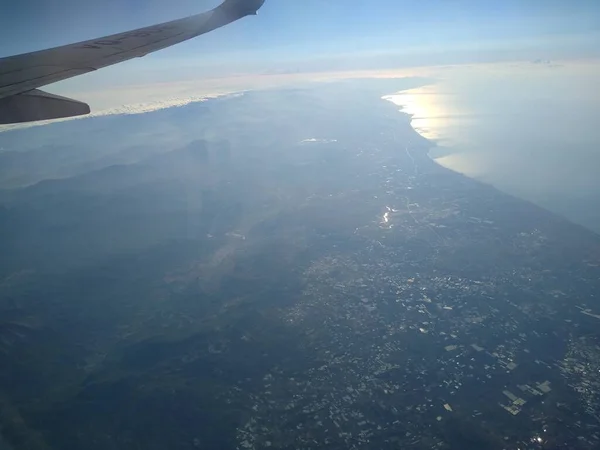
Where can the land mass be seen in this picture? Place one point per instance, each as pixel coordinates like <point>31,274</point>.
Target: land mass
<point>295,273</point>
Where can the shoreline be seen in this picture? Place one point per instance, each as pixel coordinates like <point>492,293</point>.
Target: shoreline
<point>437,151</point>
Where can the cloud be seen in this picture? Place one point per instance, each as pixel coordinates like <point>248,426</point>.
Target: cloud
<point>143,98</point>
<point>141,108</point>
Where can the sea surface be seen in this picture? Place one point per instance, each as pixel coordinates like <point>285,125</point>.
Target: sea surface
<point>532,130</point>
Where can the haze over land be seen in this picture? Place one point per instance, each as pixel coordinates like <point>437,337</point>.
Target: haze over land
<point>528,128</point>
<point>202,275</point>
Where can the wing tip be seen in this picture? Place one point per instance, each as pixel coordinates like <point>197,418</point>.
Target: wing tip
<point>243,7</point>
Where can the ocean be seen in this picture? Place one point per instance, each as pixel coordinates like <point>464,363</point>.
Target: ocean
<point>530,129</point>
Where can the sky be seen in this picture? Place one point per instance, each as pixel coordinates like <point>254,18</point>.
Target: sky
<point>320,34</point>
<point>293,36</point>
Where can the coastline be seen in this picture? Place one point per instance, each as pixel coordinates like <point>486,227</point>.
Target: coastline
<point>472,144</point>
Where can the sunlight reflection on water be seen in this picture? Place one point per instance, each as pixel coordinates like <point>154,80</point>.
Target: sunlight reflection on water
<point>438,116</point>
<point>430,110</point>
<point>531,132</point>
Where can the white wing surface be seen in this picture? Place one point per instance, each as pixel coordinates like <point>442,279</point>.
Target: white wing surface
<point>21,75</point>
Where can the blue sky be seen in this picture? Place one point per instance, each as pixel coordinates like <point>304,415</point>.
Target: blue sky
<point>318,34</point>
<point>306,26</point>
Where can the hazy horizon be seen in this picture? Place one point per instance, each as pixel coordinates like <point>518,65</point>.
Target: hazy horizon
<point>527,128</point>
<point>312,36</point>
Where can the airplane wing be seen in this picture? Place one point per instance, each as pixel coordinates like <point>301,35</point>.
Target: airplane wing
<point>21,75</point>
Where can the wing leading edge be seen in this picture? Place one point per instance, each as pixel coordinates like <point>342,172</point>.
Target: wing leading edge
<point>22,74</point>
